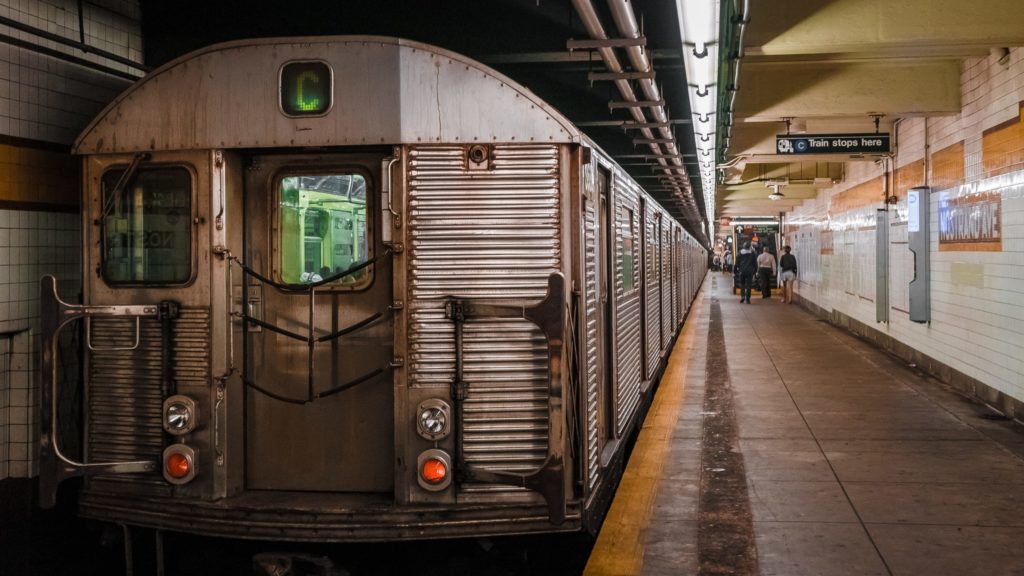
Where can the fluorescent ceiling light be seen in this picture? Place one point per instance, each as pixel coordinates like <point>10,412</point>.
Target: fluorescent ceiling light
<point>698,25</point>
<point>761,222</point>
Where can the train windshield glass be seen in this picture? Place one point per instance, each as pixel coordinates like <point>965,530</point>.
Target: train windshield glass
<point>147,236</point>
<point>323,229</point>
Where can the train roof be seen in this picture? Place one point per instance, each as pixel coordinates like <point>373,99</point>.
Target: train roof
<point>385,91</point>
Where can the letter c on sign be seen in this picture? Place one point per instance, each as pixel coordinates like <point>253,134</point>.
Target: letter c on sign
<point>300,96</point>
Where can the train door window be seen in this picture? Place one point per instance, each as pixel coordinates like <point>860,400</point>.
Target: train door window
<point>627,255</point>
<point>322,229</point>
<point>147,226</point>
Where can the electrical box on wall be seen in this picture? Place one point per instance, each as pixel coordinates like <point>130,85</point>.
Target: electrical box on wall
<point>882,266</point>
<point>918,203</point>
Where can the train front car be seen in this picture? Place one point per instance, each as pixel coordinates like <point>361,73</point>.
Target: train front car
<point>328,297</point>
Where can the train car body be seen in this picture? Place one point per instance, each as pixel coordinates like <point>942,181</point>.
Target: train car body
<point>356,288</point>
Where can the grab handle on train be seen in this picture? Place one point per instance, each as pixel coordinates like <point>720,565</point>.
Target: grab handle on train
<point>54,465</point>
<point>550,316</point>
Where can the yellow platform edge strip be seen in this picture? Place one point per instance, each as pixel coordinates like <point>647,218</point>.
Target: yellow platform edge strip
<point>619,549</point>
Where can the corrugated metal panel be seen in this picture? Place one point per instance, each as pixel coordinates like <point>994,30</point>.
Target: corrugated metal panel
<point>592,318</point>
<point>684,276</point>
<point>666,289</point>
<point>677,276</point>
<point>125,400</point>
<point>653,290</point>
<point>627,313</point>
<point>485,234</point>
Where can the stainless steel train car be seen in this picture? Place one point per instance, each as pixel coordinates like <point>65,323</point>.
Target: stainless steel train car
<point>355,288</point>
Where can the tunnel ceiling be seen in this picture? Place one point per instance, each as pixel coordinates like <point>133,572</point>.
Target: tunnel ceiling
<point>524,39</point>
<point>832,66</point>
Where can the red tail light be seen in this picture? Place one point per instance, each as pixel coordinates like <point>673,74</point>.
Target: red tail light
<point>434,470</point>
<point>179,464</point>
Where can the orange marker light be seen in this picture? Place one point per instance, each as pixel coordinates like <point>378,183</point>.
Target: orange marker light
<point>434,471</point>
<point>177,465</point>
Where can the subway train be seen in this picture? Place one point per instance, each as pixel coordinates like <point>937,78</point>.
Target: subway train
<point>354,289</point>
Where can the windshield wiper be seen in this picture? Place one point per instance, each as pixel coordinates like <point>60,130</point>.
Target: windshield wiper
<point>127,177</point>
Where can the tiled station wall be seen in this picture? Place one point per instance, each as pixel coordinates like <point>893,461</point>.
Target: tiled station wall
<point>977,289</point>
<point>44,103</point>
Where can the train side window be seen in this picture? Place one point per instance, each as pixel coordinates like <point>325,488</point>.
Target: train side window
<point>323,230</point>
<point>627,255</point>
<point>147,227</point>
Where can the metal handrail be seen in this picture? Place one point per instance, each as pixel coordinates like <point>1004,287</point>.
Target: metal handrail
<point>550,316</point>
<point>134,346</point>
<point>55,466</point>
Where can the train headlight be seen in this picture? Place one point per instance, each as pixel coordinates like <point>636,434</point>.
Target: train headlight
<point>179,464</point>
<point>432,419</point>
<point>434,470</point>
<point>180,415</point>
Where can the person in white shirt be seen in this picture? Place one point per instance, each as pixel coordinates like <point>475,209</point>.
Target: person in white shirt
<point>765,271</point>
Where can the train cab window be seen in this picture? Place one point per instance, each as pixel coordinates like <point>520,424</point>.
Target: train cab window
<point>627,255</point>
<point>323,229</point>
<point>147,227</point>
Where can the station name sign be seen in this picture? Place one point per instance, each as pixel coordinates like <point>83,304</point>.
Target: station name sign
<point>832,144</point>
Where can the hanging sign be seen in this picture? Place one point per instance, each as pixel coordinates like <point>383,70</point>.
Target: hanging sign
<point>793,144</point>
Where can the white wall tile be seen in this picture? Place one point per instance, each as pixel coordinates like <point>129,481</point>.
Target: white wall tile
<point>26,76</point>
<point>974,329</point>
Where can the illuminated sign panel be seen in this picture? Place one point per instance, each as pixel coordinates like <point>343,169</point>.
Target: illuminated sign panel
<point>786,144</point>
<point>306,88</point>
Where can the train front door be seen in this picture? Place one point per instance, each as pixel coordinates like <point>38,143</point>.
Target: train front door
<point>320,415</point>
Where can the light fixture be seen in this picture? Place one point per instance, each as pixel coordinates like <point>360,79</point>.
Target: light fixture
<point>698,25</point>
<point>432,419</point>
<point>180,415</point>
<point>765,221</point>
<point>434,470</point>
<point>179,464</point>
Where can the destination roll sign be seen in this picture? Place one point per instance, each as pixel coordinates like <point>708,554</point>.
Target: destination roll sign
<point>832,143</point>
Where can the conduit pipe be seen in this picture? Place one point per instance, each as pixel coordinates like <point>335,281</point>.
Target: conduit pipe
<point>594,27</point>
<point>742,19</point>
<point>625,21</point>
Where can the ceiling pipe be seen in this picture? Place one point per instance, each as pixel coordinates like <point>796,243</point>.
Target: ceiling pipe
<point>741,21</point>
<point>592,23</point>
<point>625,21</point>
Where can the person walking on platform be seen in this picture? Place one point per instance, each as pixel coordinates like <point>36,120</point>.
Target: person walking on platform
<point>788,275</point>
<point>746,266</point>
<point>765,270</point>
<point>728,263</point>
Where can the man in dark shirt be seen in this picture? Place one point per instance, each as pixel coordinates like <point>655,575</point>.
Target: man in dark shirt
<point>746,266</point>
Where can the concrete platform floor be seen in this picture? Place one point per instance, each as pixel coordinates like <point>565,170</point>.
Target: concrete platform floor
<point>854,463</point>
